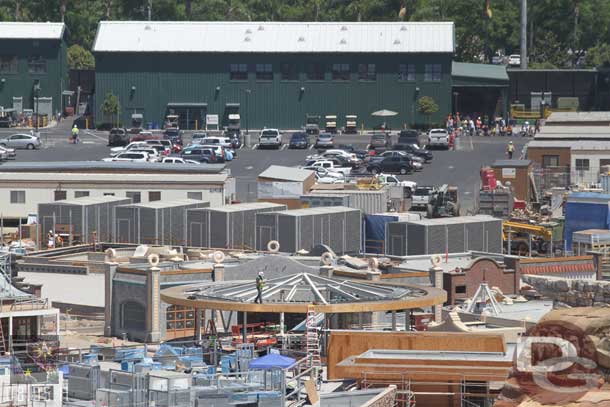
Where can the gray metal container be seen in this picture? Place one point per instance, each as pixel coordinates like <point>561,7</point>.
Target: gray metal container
<point>367,201</point>
<point>453,235</point>
<point>230,227</point>
<point>302,229</point>
<point>91,217</point>
<point>83,381</point>
<point>497,203</point>
<point>317,200</point>
<point>159,222</point>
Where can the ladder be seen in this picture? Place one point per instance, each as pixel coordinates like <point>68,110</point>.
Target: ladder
<point>312,337</point>
<point>2,341</point>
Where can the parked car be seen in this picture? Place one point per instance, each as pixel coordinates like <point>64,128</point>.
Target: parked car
<point>415,150</point>
<point>173,134</point>
<point>198,136</point>
<point>220,151</point>
<point>514,60</point>
<point>299,140</point>
<point>153,151</point>
<point>200,154</point>
<point>21,140</point>
<point>118,137</point>
<point>408,136</point>
<point>7,122</point>
<point>399,164</point>
<point>215,140</point>
<point>3,155</point>
<point>130,156</point>
<point>330,165</point>
<point>135,144</point>
<point>438,138</point>
<point>416,161</point>
<point>10,152</point>
<point>143,136</point>
<point>325,140</point>
<point>178,160</point>
<point>361,154</point>
<point>379,140</point>
<point>348,159</point>
<point>270,138</point>
<point>323,176</point>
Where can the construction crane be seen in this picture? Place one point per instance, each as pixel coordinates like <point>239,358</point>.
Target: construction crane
<point>521,234</point>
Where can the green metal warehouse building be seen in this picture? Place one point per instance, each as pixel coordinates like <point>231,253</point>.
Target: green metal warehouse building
<point>32,59</point>
<point>273,73</point>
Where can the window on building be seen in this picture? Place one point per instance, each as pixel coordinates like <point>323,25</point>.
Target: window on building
<point>289,72</point>
<point>37,65</point>
<point>133,316</point>
<point>81,194</point>
<point>154,196</point>
<point>603,162</point>
<point>460,289</point>
<point>239,72</point>
<point>549,161</point>
<point>108,193</point>
<point>17,197</point>
<point>432,73</point>
<point>264,72</point>
<point>367,72</point>
<point>314,72</point>
<point>179,317</point>
<point>406,72</point>
<point>136,197</point>
<point>341,72</point>
<point>61,195</point>
<point>195,195</point>
<point>8,64</point>
<point>582,164</point>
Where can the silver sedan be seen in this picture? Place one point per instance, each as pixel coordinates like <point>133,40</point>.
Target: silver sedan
<point>26,141</point>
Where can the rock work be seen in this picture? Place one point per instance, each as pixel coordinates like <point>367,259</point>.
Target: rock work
<point>575,293</point>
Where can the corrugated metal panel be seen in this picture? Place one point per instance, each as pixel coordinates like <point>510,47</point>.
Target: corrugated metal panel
<point>337,227</point>
<point>366,201</point>
<point>288,37</point>
<point>283,173</point>
<point>26,30</point>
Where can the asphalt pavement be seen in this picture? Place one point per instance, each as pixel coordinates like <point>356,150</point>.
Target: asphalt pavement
<point>459,167</point>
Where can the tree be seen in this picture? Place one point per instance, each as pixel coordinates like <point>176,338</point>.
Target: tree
<point>427,106</point>
<point>80,58</point>
<point>110,107</point>
<point>599,56</point>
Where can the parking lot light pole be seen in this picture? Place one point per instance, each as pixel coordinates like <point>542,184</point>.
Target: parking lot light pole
<point>248,91</point>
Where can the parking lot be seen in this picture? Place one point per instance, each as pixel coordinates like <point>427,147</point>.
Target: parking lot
<point>459,167</point>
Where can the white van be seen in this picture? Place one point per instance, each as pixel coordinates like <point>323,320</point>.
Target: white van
<point>438,138</point>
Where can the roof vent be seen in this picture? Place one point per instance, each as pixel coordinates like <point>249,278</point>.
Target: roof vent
<point>396,41</point>
<point>147,27</point>
<point>261,28</point>
<point>301,39</point>
<point>403,28</point>
<point>344,28</point>
<point>248,31</point>
<point>247,39</point>
<point>343,41</point>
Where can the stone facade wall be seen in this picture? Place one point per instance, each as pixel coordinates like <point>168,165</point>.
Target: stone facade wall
<point>575,293</point>
<point>386,399</point>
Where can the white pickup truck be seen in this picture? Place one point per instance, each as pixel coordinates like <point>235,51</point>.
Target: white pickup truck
<point>330,166</point>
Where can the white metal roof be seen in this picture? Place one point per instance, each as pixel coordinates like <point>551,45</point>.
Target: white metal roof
<point>590,145</point>
<point>276,37</point>
<point>584,117</point>
<point>282,173</point>
<point>30,179</point>
<point>38,31</point>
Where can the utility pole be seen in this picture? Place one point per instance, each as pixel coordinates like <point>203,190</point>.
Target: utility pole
<point>149,9</point>
<point>523,34</point>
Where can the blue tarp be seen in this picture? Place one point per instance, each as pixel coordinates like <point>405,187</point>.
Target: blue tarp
<point>272,360</point>
<point>374,232</point>
<point>590,211</point>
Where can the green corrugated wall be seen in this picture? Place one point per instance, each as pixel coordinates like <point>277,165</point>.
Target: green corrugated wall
<point>21,83</point>
<point>164,78</point>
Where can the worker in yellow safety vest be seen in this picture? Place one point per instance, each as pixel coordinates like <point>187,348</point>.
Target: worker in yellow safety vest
<point>510,150</point>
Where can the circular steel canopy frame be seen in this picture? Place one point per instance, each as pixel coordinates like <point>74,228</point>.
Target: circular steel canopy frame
<point>433,296</point>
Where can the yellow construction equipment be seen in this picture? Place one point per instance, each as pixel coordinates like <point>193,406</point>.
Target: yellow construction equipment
<point>520,234</point>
